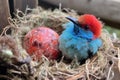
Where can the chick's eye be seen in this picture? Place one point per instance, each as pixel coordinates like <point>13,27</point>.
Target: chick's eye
<point>86,27</point>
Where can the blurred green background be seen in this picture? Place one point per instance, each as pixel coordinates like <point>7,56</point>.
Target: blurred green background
<point>113,30</point>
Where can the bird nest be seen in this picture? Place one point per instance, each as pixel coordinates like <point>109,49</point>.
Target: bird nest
<point>99,67</point>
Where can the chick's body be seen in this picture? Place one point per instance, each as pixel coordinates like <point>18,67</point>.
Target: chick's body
<point>80,45</point>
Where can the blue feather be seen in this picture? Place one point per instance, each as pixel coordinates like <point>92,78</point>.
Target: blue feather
<point>77,45</point>
<point>94,45</point>
<point>82,33</point>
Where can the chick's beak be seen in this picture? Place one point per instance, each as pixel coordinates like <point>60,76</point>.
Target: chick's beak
<point>74,20</point>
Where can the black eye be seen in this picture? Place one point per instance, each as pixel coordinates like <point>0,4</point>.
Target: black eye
<point>86,27</point>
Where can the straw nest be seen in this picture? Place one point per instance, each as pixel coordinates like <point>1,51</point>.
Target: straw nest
<point>98,67</point>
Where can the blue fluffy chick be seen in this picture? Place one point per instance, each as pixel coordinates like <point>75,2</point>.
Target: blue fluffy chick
<point>77,42</point>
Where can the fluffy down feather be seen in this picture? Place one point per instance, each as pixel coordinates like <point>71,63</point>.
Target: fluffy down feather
<point>78,45</point>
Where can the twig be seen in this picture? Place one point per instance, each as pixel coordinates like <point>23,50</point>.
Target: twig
<point>113,57</point>
<point>119,59</point>
<point>16,72</point>
<point>50,74</point>
<point>95,76</point>
<point>87,70</point>
<point>39,64</point>
<point>30,69</point>
<point>63,73</point>
<point>77,76</point>
<point>67,72</point>
<point>93,60</point>
<point>108,76</point>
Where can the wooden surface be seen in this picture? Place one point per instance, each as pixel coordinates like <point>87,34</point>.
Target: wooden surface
<point>106,9</point>
<point>4,14</point>
<point>22,4</point>
<point>7,8</point>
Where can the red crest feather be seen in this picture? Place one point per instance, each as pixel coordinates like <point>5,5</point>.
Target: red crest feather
<point>93,23</point>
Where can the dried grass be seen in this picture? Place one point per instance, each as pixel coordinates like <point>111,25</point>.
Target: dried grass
<point>97,68</point>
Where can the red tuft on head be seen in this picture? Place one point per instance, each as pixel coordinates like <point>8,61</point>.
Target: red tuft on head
<point>93,23</point>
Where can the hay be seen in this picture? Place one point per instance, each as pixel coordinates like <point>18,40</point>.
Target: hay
<point>98,67</point>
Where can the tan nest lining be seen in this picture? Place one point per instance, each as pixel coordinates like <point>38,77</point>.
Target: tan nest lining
<point>97,68</point>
